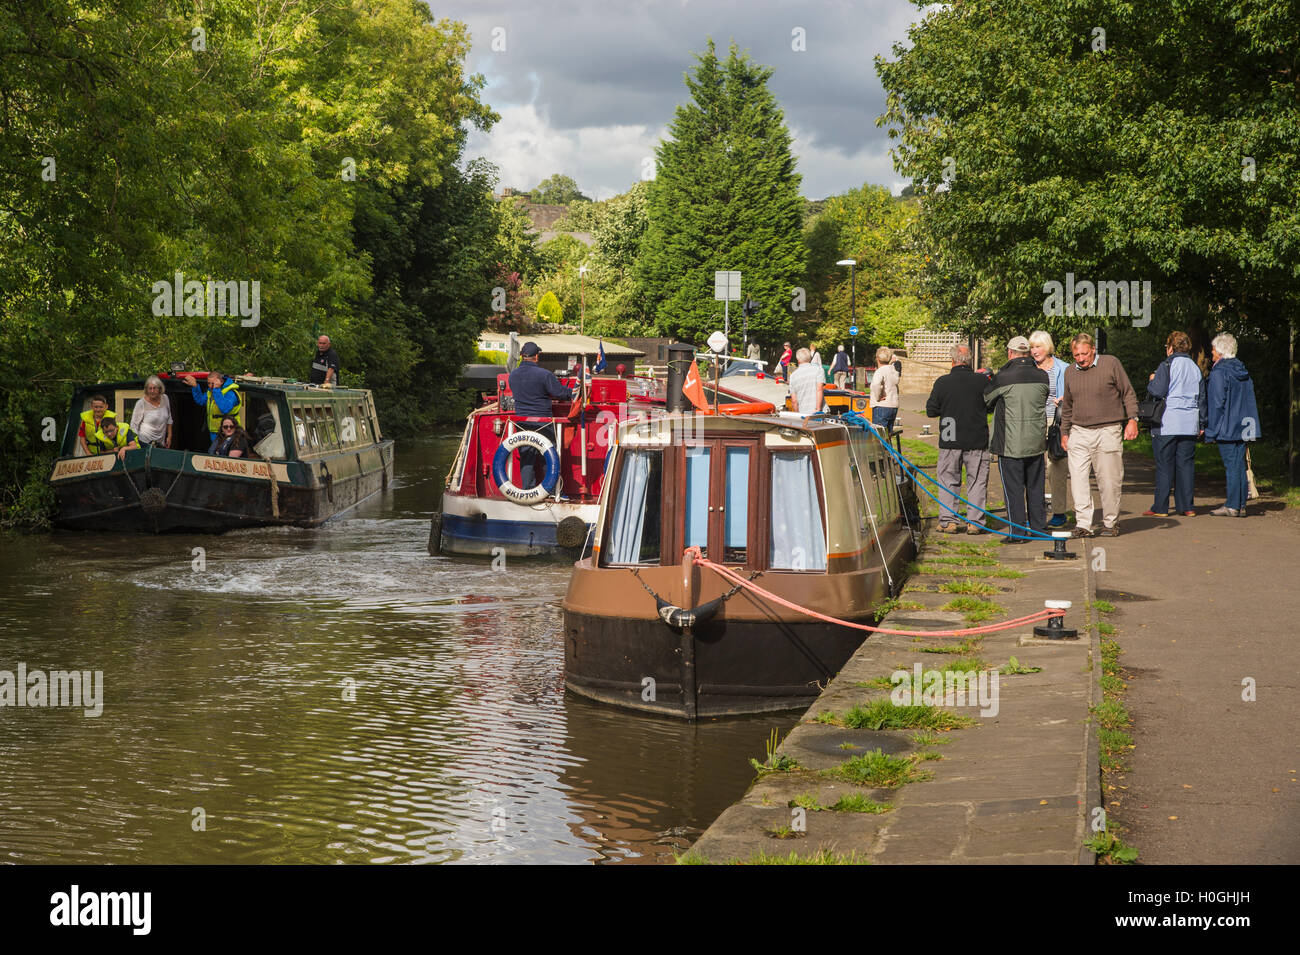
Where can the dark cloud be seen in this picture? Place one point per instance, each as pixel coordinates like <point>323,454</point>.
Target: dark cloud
<point>619,63</point>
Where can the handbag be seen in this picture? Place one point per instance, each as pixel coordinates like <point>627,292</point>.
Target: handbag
<point>1054,449</point>
<point>1151,411</point>
<point>1252,491</point>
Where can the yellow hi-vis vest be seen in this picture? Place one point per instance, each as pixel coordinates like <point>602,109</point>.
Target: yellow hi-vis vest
<point>215,415</point>
<point>92,429</point>
<point>123,437</point>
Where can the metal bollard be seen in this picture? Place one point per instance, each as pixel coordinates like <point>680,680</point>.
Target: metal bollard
<point>1058,551</point>
<point>1055,629</point>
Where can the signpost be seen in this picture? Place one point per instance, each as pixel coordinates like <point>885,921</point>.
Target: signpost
<point>726,289</point>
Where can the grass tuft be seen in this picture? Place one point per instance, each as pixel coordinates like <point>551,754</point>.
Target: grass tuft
<point>856,802</point>
<point>877,770</point>
<point>1013,666</point>
<point>885,714</point>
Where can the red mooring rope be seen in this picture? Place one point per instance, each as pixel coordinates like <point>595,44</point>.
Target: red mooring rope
<point>727,574</point>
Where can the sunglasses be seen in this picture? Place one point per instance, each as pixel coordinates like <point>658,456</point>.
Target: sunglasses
<point>227,427</point>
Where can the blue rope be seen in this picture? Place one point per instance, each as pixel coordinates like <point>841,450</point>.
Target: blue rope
<point>909,468</point>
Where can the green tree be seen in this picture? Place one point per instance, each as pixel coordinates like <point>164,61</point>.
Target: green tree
<point>1159,146</point>
<point>269,145</point>
<point>515,244</point>
<point>874,229</point>
<point>549,310</point>
<point>558,190</point>
<point>725,197</point>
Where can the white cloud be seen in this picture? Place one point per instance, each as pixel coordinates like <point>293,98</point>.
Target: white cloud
<point>603,160</point>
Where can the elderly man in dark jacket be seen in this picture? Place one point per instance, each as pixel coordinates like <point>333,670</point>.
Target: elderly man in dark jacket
<point>957,400</point>
<point>1017,395</point>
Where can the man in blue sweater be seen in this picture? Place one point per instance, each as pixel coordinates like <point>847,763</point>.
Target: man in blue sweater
<point>534,388</point>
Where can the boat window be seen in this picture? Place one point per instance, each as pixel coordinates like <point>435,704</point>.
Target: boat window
<point>634,523</point>
<point>798,538</point>
<point>299,428</point>
<point>351,424</point>
<point>735,542</point>
<point>313,428</point>
<point>697,499</point>
<point>325,416</point>
<point>858,480</point>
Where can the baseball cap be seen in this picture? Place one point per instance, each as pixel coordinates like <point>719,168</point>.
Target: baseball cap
<point>530,349</point>
<point>1019,343</point>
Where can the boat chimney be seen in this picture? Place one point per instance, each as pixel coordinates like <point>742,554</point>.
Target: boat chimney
<point>680,359</point>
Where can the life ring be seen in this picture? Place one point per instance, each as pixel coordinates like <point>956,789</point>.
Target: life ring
<point>532,495</point>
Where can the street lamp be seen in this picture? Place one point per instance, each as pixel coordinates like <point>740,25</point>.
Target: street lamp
<point>853,312</point>
<point>582,297</point>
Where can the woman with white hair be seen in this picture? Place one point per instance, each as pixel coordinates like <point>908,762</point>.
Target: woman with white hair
<point>884,391</point>
<point>1043,349</point>
<point>152,417</point>
<point>1233,419</point>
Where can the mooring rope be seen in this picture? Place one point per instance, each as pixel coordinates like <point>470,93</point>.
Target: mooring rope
<point>909,468</point>
<point>729,575</point>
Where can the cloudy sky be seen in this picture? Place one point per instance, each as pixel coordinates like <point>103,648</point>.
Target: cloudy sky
<point>588,88</point>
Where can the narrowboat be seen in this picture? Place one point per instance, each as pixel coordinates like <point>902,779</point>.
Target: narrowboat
<point>485,513</point>
<point>812,510</point>
<point>316,453</point>
<point>484,510</point>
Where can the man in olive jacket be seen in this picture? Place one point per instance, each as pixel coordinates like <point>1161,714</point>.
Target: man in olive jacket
<point>1017,395</point>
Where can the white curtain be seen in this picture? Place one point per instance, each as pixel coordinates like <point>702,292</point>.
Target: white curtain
<point>697,497</point>
<point>628,521</point>
<point>798,539</point>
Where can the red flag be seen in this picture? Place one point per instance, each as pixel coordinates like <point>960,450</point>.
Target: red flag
<point>693,389</point>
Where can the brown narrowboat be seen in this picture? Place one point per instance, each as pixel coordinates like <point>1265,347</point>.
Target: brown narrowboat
<point>809,509</point>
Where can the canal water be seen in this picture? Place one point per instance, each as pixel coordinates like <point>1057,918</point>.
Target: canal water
<point>326,696</point>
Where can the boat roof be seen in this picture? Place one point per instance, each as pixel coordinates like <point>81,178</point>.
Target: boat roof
<point>286,385</point>
<point>563,344</point>
<point>819,427</point>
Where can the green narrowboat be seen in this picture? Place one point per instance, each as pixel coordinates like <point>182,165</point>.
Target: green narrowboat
<point>315,453</point>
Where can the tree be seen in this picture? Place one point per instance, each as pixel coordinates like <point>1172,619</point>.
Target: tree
<point>725,197</point>
<point>305,149</point>
<point>508,310</point>
<point>558,190</point>
<point>549,310</point>
<point>515,244</point>
<point>874,229</point>
<point>1159,148</point>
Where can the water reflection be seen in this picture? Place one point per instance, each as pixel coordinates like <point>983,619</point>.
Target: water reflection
<point>326,696</point>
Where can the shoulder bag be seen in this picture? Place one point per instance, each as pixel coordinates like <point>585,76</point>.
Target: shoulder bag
<point>1054,448</point>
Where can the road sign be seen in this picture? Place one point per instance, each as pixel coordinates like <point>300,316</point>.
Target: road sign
<point>726,286</point>
<point>853,329</point>
<point>718,342</point>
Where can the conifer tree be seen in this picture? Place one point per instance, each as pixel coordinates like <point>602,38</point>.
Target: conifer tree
<point>725,197</point>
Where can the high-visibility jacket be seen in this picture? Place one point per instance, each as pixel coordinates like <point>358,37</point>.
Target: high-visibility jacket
<point>215,414</point>
<point>89,428</point>
<point>102,442</point>
<point>89,425</point>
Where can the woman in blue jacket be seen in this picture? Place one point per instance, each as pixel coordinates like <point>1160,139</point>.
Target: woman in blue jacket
<point>1233,420</point>
<point>1173,439</point>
